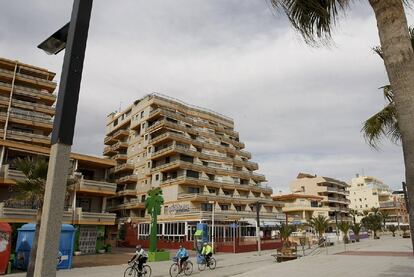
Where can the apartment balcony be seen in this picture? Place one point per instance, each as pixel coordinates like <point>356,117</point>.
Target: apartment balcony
<point>29,119</point>
<point>183,180</point>
<point>337,200</point>
<point>169,136</point>
<point>26,137</point>
<point>225,198</point>
<point>389,205</point>
<point>178,117</point>
<point>36,82</point>
<point>109,140</point>
<point>335,190</point>
<point>126,192</point>
<point>120,145</point>
<point>121,134</point>
<point>94,187</point>
<point>37,94</point>
<point>28,105</point>
<point>129,179</point>
<point>126,167</point>
<point>82,217</point>
<point>23,213</point>
<point>120,157</point>
<point>209,169</point>
<point>11,174</point>
<point>133,203</point>
<point>292,207</point>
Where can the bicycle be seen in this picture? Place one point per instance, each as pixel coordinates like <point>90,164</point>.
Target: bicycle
<point>201,261</point>
<point>133,271</point>
<point>175,268</point>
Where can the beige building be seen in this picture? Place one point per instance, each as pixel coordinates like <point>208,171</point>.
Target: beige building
<point>196,157</point>
<point>300,208</point>
<point>26,116</point>
<point>368,192</point>
<point>396,209</point>
<point>334,193</point>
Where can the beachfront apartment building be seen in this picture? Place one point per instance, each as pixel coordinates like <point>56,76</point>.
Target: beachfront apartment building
<point>367,192</point>
<point>334,193</point>
<point>300,208</point>
<point>27,97</point>
<point>198,160</point>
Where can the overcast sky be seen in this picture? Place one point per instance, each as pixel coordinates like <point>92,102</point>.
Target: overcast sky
<point>297,108</point>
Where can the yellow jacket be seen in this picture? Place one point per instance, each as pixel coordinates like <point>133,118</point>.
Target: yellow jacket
<point>206,250</point>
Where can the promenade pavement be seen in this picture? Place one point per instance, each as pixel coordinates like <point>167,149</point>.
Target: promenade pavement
<point>389,256</point>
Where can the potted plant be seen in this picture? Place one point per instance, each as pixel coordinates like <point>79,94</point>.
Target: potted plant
<point>392,229</point>
<point>108,248</point>
<point>101,251</point>
<point>285,232</point>
<point>405,234</point>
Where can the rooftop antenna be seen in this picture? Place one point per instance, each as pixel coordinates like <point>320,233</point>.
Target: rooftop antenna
<point>120,103</point>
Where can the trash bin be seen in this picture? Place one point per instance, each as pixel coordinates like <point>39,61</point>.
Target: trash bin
<point>24,245</point>
<point>5,246</point>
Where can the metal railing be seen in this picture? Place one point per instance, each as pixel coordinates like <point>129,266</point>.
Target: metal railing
<point>29,90</point>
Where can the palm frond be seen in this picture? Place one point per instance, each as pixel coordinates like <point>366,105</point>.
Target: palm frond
<point>378,51</point>
<point>382,124</point>
<point>314,19</point>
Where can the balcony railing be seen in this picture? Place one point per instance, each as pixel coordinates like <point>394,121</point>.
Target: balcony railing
<point>31,91</point>
<point>124,167</point>
<point>13,133</point>
<point>31,117</point>
<point>127,179</point>
<point>102,187</point>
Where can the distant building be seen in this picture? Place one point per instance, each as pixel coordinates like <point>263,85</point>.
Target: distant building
<point>300,208</point>
<point>334,193</point>
<point>367,192</point>
<point>26,118</point>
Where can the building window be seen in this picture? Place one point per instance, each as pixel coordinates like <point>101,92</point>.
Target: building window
<point>146,137</point>
<point>224,207</point>
<point>192,174</point>
<point>206,207</point>
<point>238,208</point>
<point>115,122</point>
<point>193,190</point>
<point>142,114</point>
<point>157,177</point>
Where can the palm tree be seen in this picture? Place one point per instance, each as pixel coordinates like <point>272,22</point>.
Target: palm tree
<point>392,229</point>
<point>153,205</point>
<point>384,123</point>
<point>385,216</point>
<point>373,222</point>
<point>344,226</point>
<point>32,190</point>
<point>320,224</point>
<point>356,228</point>
<point>354,214</point>
<point>285,232</point>
<point>315,19</point>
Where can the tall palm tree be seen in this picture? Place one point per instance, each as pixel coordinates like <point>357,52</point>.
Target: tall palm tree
<point>344,226</point>
<point>320,224</point>
<point>153,205</point>
<point>315,19</point>
<point>31,189</point>
<point>354,214</point>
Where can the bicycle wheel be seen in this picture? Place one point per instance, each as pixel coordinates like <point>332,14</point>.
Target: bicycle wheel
<point>146,271</point>
<point>174,270</point>
<point>212,263</point>
<point>130,272</point>
<point>188,268</point>
<point>202,266</point>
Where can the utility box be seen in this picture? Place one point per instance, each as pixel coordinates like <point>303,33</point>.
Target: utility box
<point>5,246</point>
<point>25,240</point>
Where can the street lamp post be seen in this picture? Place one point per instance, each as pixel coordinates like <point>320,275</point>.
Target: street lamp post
<point>62,135</point>
<point>258,227</point>
<point>212,223</point>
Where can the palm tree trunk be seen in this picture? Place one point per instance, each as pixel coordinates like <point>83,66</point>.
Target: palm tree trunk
<point>399,63</point>
<point>33,251</point>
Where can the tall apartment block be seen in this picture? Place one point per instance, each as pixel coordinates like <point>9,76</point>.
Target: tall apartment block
<point>333,191</point>
<point>196,157</point>
<point>26,116</point>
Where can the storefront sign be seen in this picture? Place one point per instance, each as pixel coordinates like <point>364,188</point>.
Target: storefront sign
<point>179,208</point>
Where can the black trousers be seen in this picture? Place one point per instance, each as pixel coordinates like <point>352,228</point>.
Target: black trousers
<point>141,262</point>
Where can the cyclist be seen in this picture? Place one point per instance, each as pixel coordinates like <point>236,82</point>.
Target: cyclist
<point>207,252</point>
<point>140,257</point>
<point>182,256</point>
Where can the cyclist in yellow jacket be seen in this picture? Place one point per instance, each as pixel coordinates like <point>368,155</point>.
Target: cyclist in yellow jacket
<point>207,252</point>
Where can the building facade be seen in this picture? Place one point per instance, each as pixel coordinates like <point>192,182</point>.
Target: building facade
<point>26,116</point>
<point>196,157</point>
<point>334,193</point>
<point>300,208</point>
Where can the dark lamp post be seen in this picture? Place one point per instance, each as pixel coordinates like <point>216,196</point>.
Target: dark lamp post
<point>56,42</point>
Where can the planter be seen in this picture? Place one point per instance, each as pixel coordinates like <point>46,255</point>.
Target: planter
<point>77,253</point>
<point>158,256</point>
<point>101,251</point>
